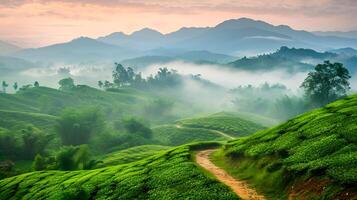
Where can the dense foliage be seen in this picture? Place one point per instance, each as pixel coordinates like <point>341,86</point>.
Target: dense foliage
<point>327,83</point>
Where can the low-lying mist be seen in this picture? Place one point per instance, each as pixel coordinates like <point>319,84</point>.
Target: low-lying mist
<point>231,78</point>
<point>205,87</point>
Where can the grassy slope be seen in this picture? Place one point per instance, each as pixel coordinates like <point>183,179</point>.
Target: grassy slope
<point>168,175</point>
<point>319,147</point>
<point>170,135</point>
<point>234,124</point>
<point>14,120</point>
<point>131,154</point>
<point>52,101</point>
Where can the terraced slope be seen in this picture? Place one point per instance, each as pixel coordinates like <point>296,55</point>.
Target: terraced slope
<point>168,175</point>
<point>230,123</point>
<point>171,135</point>
<point>313,156</point>
<point>131,155</point>
<point>52,101</point>
<point>15,120</point>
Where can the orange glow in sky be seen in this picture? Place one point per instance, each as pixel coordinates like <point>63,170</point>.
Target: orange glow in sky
<point>33,23</point>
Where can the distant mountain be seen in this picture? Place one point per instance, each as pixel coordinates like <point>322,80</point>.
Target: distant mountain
<point>345,51</point>
<point>144,39</point>
<point>161,56</point>
<point>10,65</point>
<point>7,48</point>
<point>234,37</point>
<point>348,34</point>
<point>292,60</point>
<point>81,49</point>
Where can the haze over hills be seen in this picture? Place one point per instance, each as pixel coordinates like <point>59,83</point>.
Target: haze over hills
<point>7,48</point>
<point>235,37</point>
<point>347,34</point>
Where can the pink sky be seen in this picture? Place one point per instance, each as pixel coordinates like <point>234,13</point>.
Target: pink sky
<point>33,23</point>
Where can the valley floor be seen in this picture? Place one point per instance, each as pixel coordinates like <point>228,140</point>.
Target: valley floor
<point>241,188</point>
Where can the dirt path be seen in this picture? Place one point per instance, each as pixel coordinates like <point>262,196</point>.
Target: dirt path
<point>241,188</point>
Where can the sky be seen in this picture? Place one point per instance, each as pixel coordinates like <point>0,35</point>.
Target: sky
<point>35,23</point>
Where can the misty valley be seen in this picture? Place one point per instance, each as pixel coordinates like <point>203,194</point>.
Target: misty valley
<point>241,110</point>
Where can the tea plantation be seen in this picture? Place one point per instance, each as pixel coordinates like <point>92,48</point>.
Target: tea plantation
<point>168,175</point>
<point>131,154</point>
<point>320,146</point>
<point>226,122</point>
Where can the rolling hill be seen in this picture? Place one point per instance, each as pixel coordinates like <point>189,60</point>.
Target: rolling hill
<point>232,124</point>
<point>168,175</point>
<point>312,156</point>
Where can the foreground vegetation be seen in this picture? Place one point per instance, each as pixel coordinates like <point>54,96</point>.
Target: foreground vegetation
<point>313,156</point>
<point>168,175</point>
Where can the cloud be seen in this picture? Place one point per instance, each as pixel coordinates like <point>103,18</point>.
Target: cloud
<point>311,8</point>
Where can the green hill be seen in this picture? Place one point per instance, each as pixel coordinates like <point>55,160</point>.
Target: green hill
<point>52,101</point>
<point>168,175</point>
<point>173,136</point>
<point>131,154</point>
<point>234,124</point>
<point>313,156</point>
<point>15,120</point>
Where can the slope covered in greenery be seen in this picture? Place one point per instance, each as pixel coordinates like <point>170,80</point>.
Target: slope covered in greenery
<point>168,175</point>
<point>317,148</point>
<point>53,101</point>
<point>171,135</point>
<point>234,124</point>
<point>131,154</point>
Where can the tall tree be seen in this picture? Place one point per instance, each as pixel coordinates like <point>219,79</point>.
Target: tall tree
<point>327,83</point>
<point>100,84</point>
<point>66,83</point>
<point>36,84</point>
<point>4,86</point>
<point>15,86</point>
<point>120,75</point>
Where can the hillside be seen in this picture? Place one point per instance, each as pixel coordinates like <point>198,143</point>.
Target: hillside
<point>53,101</point>
<point>168,175</point>
<point>312,156</point>
<point>293,60</point>
<point>171,135</point>
<point>230,123</point>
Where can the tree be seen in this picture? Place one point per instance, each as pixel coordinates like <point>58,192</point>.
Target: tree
<point>15,86</point>
<point>133,126</point>
<point>107,85</point>
<point>76,127</point>
<point>36,84</point>
<point>74,157</point>
<point>4,86</point>
<point>120,75</point>
<point>66,84</point>
<point>327,83</point>
<point>33,142</point>
<point>100,84</point>
<point>39,163</point>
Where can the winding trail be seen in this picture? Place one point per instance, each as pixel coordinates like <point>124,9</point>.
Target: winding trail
<point>241,188</point>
